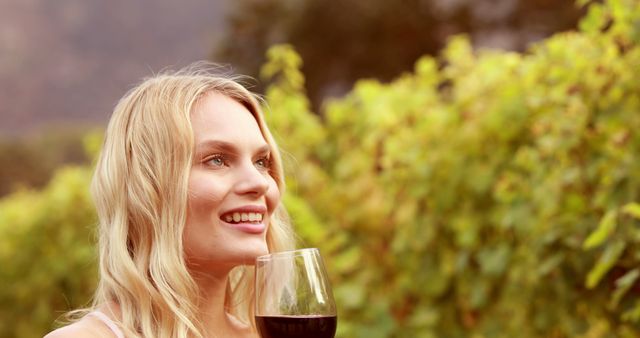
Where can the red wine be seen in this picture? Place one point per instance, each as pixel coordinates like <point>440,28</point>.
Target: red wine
<point>297,326</point>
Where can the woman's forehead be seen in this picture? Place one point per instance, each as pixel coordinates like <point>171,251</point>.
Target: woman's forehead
<point>219,118</point>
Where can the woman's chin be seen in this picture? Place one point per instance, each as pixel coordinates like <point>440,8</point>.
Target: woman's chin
<point>248,251</point>
<point>227,258</point>
<point>257,252</point>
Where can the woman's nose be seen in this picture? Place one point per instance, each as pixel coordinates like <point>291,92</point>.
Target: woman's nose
<point>251,180</point>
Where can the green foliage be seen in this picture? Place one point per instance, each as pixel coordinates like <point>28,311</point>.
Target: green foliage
<point>487,194</point>
<point>47,256</point>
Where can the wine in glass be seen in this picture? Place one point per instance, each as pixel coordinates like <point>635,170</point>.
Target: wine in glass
<point>293,296</point>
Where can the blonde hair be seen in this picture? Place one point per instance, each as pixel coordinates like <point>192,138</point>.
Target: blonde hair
<point>140,191</point>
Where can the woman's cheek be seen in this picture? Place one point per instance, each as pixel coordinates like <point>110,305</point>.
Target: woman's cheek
<point>273,195</point>
<point>204,192</point>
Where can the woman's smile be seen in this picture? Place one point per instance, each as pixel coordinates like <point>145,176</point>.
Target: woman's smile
<point>248,218</point>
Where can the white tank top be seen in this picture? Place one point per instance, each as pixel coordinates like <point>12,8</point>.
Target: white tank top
<point>108,322</point>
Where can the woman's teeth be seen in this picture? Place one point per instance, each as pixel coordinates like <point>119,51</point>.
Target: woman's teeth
<point>243,217</point>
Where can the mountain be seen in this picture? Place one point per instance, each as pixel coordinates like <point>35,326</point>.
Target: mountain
<point>69,61</point>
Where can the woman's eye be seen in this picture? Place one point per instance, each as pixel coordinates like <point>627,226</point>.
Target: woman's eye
<point>264,163</point>
<point>216,161</point>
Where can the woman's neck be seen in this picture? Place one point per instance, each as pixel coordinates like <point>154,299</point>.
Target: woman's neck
<point>212,307</point>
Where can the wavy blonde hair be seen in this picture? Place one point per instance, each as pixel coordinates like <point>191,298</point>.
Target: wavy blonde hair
<point>140,191</point>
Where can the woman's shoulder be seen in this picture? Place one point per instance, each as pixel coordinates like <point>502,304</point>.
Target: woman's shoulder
<point>86,327</point>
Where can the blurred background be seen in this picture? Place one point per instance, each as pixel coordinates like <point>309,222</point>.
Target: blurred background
<point>478,162</point>
<point>64,64</point>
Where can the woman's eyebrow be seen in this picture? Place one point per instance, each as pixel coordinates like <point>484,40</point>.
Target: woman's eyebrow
<point>215,145</point>
<point>265,149</point>
<point>226,147</point>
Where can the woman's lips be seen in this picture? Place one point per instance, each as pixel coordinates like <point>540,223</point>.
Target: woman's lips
<point>250,228</point>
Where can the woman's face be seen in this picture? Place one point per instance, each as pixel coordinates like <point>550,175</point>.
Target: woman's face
<point>231,193</point>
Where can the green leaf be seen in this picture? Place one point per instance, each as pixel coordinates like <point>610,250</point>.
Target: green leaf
<point>424,317</point>
<point>350,295</point>
<point>551,263</point>
<point>493,261</point>
<point>607,260</point>
<point>479,293</point>
<point>582,3</point>
<point>632,209</point>
<point>633,314</point>
<point>594,20</point>
<point>348,260</point>
<point>604,230</point>
<point>623,284</point>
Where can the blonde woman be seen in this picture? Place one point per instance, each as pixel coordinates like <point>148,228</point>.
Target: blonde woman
<point>187,189</point>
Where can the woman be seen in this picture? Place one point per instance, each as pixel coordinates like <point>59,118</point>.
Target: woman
<point>187,190</point>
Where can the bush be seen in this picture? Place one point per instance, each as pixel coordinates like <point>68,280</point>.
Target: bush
<point>46,253</point>
<point>487,194</point>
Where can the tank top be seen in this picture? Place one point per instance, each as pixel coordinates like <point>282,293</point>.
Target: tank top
<point>108,322</point>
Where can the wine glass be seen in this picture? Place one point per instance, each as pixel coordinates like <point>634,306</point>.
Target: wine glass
<point>293,296</point>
